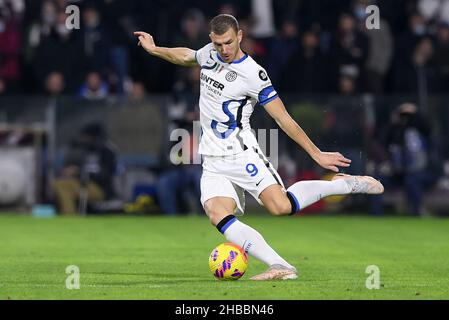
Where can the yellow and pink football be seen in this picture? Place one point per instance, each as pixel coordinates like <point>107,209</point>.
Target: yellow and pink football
<point>228,261</point>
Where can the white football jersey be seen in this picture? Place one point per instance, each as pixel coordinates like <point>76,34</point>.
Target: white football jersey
<point>229,92</point>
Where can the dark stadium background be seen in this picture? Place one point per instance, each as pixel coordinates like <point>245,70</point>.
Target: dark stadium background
<point>342,82</point>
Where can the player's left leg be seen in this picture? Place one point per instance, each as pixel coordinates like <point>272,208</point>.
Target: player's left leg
<point>279,202</point>
<point>304,193</point>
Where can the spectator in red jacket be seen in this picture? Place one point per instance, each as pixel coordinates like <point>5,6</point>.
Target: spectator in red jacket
<point>9,49</point>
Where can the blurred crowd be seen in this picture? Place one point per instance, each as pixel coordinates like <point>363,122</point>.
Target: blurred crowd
<point>308,46</point>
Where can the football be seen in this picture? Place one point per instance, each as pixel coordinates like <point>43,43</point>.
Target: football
<point>228,261</point>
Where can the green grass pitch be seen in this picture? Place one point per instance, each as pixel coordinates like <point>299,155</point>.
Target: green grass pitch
<point>167,258</point>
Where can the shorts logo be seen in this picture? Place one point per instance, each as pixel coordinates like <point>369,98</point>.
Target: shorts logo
<point>231,76</point>
<point>263,76</point>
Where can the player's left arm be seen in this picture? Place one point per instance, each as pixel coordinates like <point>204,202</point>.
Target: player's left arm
<point>327,160</point>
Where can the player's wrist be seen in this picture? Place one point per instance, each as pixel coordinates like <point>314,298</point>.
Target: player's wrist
<point>314,151</point>
<point>315,154</point>
<point>152,50</point>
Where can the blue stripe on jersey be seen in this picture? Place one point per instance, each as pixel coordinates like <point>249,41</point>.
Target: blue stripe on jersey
<point>269,100</point>
<point>235,61</point>
<point>241,59</point>
<point>264,95</point>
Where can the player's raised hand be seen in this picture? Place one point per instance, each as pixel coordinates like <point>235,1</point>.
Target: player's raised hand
<point>145,40</point>
<point>332,160</point>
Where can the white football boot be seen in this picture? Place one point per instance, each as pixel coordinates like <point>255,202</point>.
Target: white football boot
<point>277,272</point>
<point>361,184</point>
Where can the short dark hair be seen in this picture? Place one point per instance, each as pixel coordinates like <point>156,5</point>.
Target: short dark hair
<point>221,23</point>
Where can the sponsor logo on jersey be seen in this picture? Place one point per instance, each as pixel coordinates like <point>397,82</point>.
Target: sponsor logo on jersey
<point>212,81</point>
<point>231,76</point>
<point>263,76</point>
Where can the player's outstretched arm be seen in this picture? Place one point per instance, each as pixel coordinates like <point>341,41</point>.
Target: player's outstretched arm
<point>180,56</point>
<point>327,160</point>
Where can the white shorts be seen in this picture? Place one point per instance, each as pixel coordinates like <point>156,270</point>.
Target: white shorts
<point>230,176</point>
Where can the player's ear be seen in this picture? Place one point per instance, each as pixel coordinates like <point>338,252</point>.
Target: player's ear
<point>240,35</point>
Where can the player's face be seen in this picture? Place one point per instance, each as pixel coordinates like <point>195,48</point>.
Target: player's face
<point>227,44</point>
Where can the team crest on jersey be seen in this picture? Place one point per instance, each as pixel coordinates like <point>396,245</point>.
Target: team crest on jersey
<point>231,76</point>
<point>263,76</point>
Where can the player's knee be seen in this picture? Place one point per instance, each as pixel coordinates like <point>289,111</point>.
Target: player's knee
<point>281,208</point>
<point>208,207</point>
<point>214,213</point>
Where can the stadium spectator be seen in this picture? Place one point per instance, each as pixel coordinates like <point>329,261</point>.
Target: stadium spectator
<point>236,8</point>
<point>349,51</point>
<point>249,44</point>
<point>95,88</point>
<point>324,13</point>
<point>407,141</point>
<point>10,45</point>
<point>138,92</point>
<point>228,8</point>
<point>306,71</point>
<point>2,87</point>
<point>40,19</point>
<point>434,11</point>
<point>55,84</point>
<point>262,28</point>
<point>349,138</point>
<point>421,75</point>
<point>441,57</point>
<point>89,165</point>
<point>192,34</point>
<point>179,185</point>
<point>380,50</point>
<point>403,55</point>
<point>59,51</point>
<point>262,16</point>
<point>193,29</point>
<point>423,61</point>
<point>40,28</point>
<point>16,7</point>
<point>283,46</point>
<point>119,22</point>
<point>96,42</point>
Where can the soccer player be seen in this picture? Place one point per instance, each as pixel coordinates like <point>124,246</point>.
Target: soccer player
<point>232,85</point>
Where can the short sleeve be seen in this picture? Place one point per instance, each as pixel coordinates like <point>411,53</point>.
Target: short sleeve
<point>260,87</point>
<point>203,54</point>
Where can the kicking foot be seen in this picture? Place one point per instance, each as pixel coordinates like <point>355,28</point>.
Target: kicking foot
<point>277,272</point>
<point>361,184</point>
